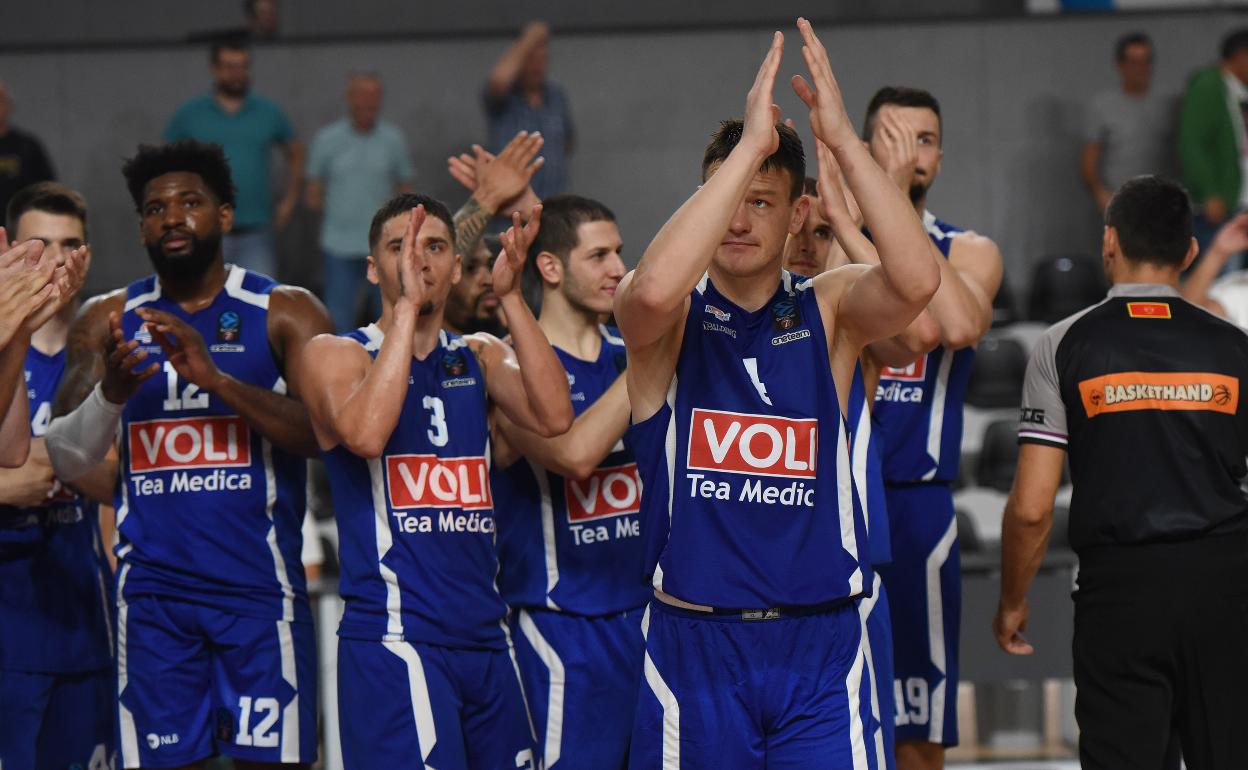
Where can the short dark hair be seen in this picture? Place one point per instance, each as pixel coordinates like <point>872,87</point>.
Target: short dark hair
<point>229,43</point>
<point>1153,217</point>
<point>402,203</point>
<point>561,216</point>
<point>902,96</point>
<point>810,186</point>
<point>1235,41</point>
<point>1128,40</point>
<point>50,197</point>
<point>789,156</point>
<point>200,158</point>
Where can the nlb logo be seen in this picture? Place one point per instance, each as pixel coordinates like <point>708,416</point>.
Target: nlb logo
<point>155,741</point>
<point>188,443</point>
<point>753,444</point>
<point>915,372</point>
<point>1167,391</point>
<point>429,481</point>
<point>608,492</point>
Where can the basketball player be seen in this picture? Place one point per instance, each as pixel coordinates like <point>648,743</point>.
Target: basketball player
<point>569,538</point>
<point>56,602</point>
<point>739,379</point>
<point>831,237</point>
<point>918,417</point>
<point>426,676</point>
<point>216,651</point>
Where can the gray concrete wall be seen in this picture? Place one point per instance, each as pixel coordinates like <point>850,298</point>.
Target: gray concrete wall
<point>1013,93</point>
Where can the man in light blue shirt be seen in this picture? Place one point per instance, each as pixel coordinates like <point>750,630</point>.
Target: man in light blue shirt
<point>247,127</point>
<point>357,164</point>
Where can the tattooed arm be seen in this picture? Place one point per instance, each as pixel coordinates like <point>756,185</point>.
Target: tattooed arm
<point>85,350</point>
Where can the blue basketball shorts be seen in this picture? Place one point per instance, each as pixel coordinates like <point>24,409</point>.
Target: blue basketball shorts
<point>407,705</point>
<point>878,631</point>
<point>580,679</point>
<point>924,584</point>
<point>57,721</point>
<point>194,681</point>
<point>724,693</point>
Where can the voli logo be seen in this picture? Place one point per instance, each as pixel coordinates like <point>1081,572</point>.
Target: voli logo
<point>191,442</point>
<point>913,373</point>
<point>429,481</point>
<point>753,444</point>
<point>607,492</point>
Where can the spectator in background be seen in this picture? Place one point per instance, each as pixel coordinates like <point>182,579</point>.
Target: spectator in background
<point>247,127</point>
<point>356,164</point>
<point>23,160</point>
<point>1127,126</point>
<point>518,97</point>
<point>1212,139</point>
<point>262,22</point>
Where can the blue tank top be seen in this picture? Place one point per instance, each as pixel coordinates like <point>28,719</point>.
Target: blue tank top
<point>864,455</point>
<point>749,500</point>
<point>208,510</point>
<point>416,525</point>
<point>918,409</point>
<point>568,544</point>
<point>56,599</point>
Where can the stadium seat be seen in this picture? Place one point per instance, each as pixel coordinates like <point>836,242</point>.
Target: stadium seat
<point>997,374</point>
<point>998,456</point>
<point>968,534</point>
<point>1064,285</point>
<point>1004,306</point>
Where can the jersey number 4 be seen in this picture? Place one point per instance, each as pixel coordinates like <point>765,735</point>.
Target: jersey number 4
<point>191,398</point>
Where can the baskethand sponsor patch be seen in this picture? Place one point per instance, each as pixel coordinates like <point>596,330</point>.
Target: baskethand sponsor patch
<point>1138,391</point>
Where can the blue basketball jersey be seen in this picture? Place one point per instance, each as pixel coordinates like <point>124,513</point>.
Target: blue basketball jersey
<point>568,544</point>
<point>55,587</point>
<point>749,500</point>
<point>864,455</point>
<point>416,525</point>
<point>918,409</point>
<point>207,509</point>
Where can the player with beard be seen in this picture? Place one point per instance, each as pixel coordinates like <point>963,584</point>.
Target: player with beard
<point>216,651</point>
<point>831,238</point>
<point>472,306</point>
<point>425,669</point>
<point>918,418</point>
<point>739,379</point>
<point>569,538</point>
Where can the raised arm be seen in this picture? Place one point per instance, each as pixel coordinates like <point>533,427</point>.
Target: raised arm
<point>885,299</point>
<point>651,300</point>
<point>507,68</point>
<point>294,317</point>
<point>357,401</point>
<point>525,380</point>
<point>499,185</point>
<point>593,435</point>
<point>1232,238</point>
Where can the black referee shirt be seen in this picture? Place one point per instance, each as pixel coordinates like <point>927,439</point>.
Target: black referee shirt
<point>1143,390</point>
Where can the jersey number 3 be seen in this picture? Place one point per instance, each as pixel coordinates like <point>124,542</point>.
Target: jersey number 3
<point>438,435</point>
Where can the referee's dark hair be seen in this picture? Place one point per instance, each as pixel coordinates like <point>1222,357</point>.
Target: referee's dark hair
<point>1235,41</point>
<point>1153,218</point>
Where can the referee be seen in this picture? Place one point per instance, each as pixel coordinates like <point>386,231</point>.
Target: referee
<point>1143,391</point>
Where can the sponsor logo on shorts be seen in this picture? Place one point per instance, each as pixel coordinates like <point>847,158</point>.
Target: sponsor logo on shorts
<point>189,443</point>
<point>1168,391</point>
<point>753,444</point>
<point>155,741</point>
<point>720,315</point>
<point>612,491</point>
<point>1148,309</point>
<point>429,481</point>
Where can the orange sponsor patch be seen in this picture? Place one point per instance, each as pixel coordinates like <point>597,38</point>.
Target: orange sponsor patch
<point>1135,391</point>
<point>1148,309</point>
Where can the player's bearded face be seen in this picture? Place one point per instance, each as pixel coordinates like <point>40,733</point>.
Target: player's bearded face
<point>182,225</point>
<point>189,263</point>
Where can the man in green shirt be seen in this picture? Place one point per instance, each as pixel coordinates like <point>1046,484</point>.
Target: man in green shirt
<point>1212,137</point>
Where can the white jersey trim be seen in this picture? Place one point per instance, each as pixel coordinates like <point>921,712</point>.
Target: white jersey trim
<point>129,735</point>
<point>608,336</point>
<point>385,540</point>
<point>861,455</point>
<point>375,336</point>
<point>234,288</point>
<point>143,299</point>
<point>549,544</point>
<point>669,448</point>
<point>936,418</point>
<point>845,507</point>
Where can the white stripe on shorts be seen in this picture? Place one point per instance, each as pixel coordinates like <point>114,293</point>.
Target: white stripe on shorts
<point>129,735</point>
<point>667,699</point>
<point>553,741</point>
<point>936,628</point>
<point>865,608</point>
<point>853,692</point>
<point>422,706</point>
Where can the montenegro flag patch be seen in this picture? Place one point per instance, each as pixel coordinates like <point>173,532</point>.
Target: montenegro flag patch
<point>1148,309</point>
